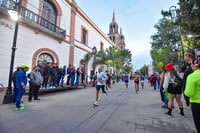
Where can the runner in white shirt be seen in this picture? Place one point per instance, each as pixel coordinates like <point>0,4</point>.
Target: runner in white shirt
<point>101,78</point>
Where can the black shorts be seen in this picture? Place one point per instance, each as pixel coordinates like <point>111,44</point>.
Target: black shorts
<point>98,87</point>
<point>173,90</point>
<point>107,82</point>
<point>136,82</point>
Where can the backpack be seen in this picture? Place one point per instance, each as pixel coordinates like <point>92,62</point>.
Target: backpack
<point>177,83</point>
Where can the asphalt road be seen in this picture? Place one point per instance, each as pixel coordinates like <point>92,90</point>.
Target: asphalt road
<point>121,111</point>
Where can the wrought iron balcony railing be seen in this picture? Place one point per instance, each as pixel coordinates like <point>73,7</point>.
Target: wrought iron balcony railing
<point>33,17</point>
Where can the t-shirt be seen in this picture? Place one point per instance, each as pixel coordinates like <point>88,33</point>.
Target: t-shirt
<point>126,78</point>
<point>142,78</point>
<point>101,77</point>
<point>108,78</point>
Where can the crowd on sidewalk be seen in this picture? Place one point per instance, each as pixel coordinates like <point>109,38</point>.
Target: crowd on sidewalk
<point>173,84</point>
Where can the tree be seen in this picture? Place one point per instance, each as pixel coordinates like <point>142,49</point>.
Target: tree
<point>144,70</point>
<point>166,44</point>
<point>111,57</point>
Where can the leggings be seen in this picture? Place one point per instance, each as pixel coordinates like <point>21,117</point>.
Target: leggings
<point>196,115</point>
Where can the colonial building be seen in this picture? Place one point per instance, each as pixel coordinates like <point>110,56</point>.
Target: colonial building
<point>117,38</point>
<point>56,31</point>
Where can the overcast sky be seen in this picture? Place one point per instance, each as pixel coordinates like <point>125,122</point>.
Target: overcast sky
<point>136,18</point>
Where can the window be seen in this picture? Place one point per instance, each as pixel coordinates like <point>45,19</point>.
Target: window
<point>84,36</point>
<point>49,16</point>
<point>45,58</point>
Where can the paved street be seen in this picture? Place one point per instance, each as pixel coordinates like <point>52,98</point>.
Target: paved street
<point>122,111</point>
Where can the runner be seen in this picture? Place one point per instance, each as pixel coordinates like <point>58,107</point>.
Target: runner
<point>142,78</point>
<point>126,77</point>
<point>136,81</point>
<point>101,78</point>
<point>108,80</point>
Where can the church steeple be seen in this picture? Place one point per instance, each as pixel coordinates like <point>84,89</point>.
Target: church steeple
<point>117,38</point>
<point>113,20</point>
<point>113,28</point>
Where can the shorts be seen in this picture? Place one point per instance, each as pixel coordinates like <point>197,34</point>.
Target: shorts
<point>136,82</point>
<point>108,82</point>
<point>173,90</point>
<point>126,81</point>
<point>98,87</point>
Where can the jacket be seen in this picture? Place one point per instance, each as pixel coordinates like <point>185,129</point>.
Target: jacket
<point>46,72</point>
<point>187,72</point>
<point>35,78</point>
<point>192,89</point>
<point>21,77</point>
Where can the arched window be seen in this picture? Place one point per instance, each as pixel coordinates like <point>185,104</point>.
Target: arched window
<point>49,15</point>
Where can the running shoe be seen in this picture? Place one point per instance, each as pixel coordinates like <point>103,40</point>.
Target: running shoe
<point>21,108</point>
<point>22,105</point>
<point>169,115</point>
<point>96,103</point>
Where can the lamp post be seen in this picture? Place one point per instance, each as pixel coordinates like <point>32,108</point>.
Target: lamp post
<point>94,52</point>
<point>14,13</point>
<point>173,12</point>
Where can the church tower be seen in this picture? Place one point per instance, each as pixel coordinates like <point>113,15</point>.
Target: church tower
<point>117,38</point>
<point>122,40</point>
<point>113,30</point>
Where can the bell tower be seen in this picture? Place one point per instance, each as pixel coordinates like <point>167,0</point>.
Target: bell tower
<point>113,31</point>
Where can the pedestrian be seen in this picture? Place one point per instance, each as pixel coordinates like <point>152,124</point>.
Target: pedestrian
<point>46,75</point>
<point>83,76</point>
<point>142,78</point>
<point>78,73</point>
<point>173,87</point>
<point>35,83</point>
<point>188,56</point>
<point>193,92</point>
<point>21,82</point>
<point>14,75</point>
<point>163,94</point>
<point>158,81</point>
<point>154,80</point>
<point>136,81</point>
<point>101,78</point>
<point>151,80</point>
<point>63,73</point>
<point>108,80</point>
<point>73,73</point>
<point>58,76</point>
<point>69,72</point>
<point>53,76</point>
<point>126,80</point>
<point>41,67</point>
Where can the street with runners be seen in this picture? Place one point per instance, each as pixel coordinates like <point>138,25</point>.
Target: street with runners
<point>121,111</point>
<point>94,66</point>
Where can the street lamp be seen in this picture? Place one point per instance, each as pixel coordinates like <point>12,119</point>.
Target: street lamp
<point>172,14</point>
<point>14,12</point>
<point>94,52</point>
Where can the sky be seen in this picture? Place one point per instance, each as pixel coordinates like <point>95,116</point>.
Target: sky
<point>136,18</point>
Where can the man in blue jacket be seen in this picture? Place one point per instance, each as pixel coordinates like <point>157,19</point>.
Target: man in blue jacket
<point>21,82</point>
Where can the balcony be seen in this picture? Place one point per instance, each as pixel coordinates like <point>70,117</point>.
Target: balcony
<point>34,20</point>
